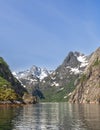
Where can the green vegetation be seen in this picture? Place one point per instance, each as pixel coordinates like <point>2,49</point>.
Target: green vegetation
<point>3,62</point>
<point>10,88</point>
<point>6,92</point>
<point>54,95</point>
<point>83,78</point>
<point>97,62</point>
<point>7,114</point>
<point>4,69</point>
<point>8,80</point>
<point>4,82</point>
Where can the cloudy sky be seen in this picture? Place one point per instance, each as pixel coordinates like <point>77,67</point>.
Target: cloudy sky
<point>42,32</point>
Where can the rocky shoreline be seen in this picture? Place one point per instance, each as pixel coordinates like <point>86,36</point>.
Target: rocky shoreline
<point>16,103</point>
<point>26,99</point>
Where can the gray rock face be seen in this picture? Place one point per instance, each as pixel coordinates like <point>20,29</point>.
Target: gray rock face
<point>88,86</point>
<point>69,69</point>
<point>71,60</point>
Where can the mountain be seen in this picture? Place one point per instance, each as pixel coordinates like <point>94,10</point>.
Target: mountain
<point>60,82</point>
<point>10,87</point>
<point>34,71</point>
<point>88,84</point>
<point>55,85</point>
<point>30,78</point>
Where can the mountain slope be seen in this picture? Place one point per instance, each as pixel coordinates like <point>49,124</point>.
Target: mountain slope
<point>88,85</point>
<point>60,83</point>
<point>9,85</point>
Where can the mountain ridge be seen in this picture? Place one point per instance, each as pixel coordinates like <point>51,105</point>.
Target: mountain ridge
<point>62,79</point>
<point>88,85</point>
<point>34,70</point>
<point>31,77</point>
<point>58,80</point>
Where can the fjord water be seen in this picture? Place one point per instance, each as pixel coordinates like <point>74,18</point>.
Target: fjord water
<point>50,116</point>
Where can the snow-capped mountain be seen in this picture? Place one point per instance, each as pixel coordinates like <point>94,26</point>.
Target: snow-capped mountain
<point>60,80</point>
<point>34,71</point>
<point>83,62</point>
<point>63,78</point>
<point>30,78</point>
<point>72,66</point>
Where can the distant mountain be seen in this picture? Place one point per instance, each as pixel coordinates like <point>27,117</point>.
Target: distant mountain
<point>31,77</point>
<point>60,82</point>
<point>88,84</point>
<point>34,71</point>
<point>57,84</point>
<point>73,64</point>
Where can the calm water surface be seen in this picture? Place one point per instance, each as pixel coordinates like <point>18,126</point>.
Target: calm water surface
<point>51,116</point>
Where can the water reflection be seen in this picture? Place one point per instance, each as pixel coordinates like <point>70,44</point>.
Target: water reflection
<point>7,114</point>
<point>53,116</point>
<point>38,117</point>
<point>82,117</point>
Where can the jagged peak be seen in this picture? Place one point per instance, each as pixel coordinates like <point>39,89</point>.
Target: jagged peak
<point>74,59</point>
<point>69,59</point>
<point>34,71</point>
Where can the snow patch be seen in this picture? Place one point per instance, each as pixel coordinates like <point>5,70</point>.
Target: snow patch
<point>53,78</point>
<point>65,97</point>
<point>14,73</point>
<point>43,75</point>
<point>44,81</point>
<point>83,60</point>
<point>61,89</point>
<point>75,70</point>
<point>34,71</point>
<point>55,84</point>
<point>84,64</point>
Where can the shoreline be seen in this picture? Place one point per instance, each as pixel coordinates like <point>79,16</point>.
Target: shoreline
<point>14,103</point>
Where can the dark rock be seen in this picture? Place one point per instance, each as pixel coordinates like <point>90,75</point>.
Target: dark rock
<point>28,99</point>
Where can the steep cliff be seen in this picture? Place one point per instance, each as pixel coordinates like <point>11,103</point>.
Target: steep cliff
<point>10,87</point>
<point>88,85</point>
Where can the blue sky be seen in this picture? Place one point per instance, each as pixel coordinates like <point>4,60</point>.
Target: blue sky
<point>42,32</point>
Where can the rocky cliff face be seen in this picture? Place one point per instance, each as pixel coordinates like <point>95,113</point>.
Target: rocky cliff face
<point>88,85</point>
